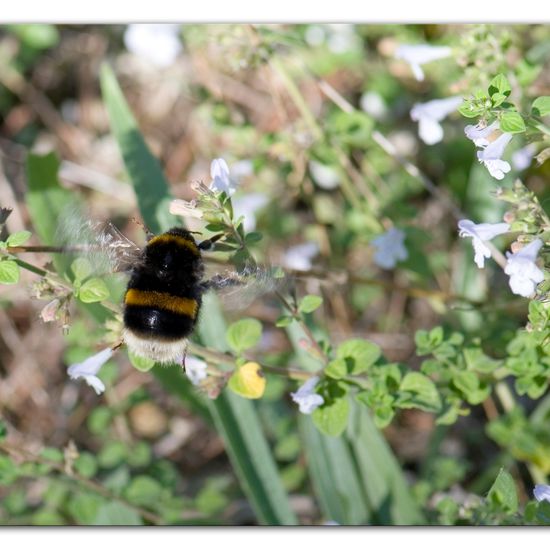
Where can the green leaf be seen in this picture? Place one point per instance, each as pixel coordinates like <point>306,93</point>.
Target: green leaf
<point>244,334</point>
<point>81,269</point>
<point>338,368</point>
<point>99,420</point>
<point>310,303</point>
<point>340,494</point>
<point>418,391</point>
<point>39,36</point>
<point>52,454</point>
<point>381,476</point>
<point>503,494</point>
<point>3,430</point>
<point>469,110</point>
<point>141,363</point>
<point>541,106</point>
<point>332,417</point>
<point>19,238</point>
<point>8,470</point>
<point>86,464</point>
<point>512,123</point>
<point>426,342</point>
<point>9,272</point>
<point>359,354</point>
<point>143,168</point>
<point>499,85</point>
<point>115,513</point>
<point>498,99</point>
<point>93,290</point>
<point>143,491</point>
<point>112,454</point>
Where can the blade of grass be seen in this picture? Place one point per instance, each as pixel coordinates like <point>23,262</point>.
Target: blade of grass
<point>235,418</point>
<point>146,175</point>
<point>380,472</point>
<point>332,472</point>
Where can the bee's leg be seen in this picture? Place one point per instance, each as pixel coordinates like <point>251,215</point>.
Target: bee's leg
<point>148,234</point>
<point>209,243</point>
<point>116,346</point>
<point>184,355</point>
<point>217,282</point>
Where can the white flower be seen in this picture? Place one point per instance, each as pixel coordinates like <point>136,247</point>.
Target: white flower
<point>542,492</point>
<point>491,156</point>
<point>324,175</point>
<point>89,368</point>
<point>159,44</point>
<point>179,207</point>
<point>479,233</point>
<point>524,273</point>
<point>390,248</point>
<point>374,105</point>
<point>521,159</point>
<point>429,114</point>
<point>247,206</point>
<point>479,133</point>
<point>221,179</point>
<point>306,397</point>
<point>299,257</point>
<point>195,369</point>
<point>416,55</point>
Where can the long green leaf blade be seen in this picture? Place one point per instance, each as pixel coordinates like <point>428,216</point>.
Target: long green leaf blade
<point>235,418</point>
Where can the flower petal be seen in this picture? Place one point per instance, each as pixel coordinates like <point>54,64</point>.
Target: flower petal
<point>542,492</point>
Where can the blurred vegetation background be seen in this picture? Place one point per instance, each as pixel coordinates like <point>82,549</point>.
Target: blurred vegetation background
<point>314,123</point>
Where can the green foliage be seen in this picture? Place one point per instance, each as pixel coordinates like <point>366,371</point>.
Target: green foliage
<point>541,106</point>
<point>9,272</point>
<point>243,334</point>
<point>477,358</point>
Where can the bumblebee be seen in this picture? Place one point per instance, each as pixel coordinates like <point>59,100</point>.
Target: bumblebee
<point>164,295</point>
<point>166,283</point>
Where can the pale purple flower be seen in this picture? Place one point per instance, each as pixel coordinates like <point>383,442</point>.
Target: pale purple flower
<point>195,369</point>
<point>158,43</point>
<point>522,269</point>
<point>521,159</point>
<point>480,233</point>
<point>221,178</point>
<point>429,114</point>
<point>491,155</point>
<point>306,397</point>
<point>390,248</point>
<point>247,206</point>
<point>89,368</point>
<point>479,133</point>
<point>299,257</point>
<point>419,54</point>
<point>542,492</point>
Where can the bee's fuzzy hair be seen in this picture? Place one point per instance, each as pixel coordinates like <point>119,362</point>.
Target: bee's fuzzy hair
<point>162,352</point>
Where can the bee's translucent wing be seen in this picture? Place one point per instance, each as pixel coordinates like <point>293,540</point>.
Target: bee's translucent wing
<point>101,243</point>
<point>238,289</point>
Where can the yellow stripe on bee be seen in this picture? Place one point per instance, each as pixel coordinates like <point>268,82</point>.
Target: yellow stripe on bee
<point>161,300</point>
<point>165,238</point>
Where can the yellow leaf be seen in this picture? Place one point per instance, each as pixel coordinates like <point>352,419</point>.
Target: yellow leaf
<point>248,381</point>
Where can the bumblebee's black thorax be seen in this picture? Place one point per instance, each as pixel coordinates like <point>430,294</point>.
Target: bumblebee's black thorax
<point>164,293</point>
